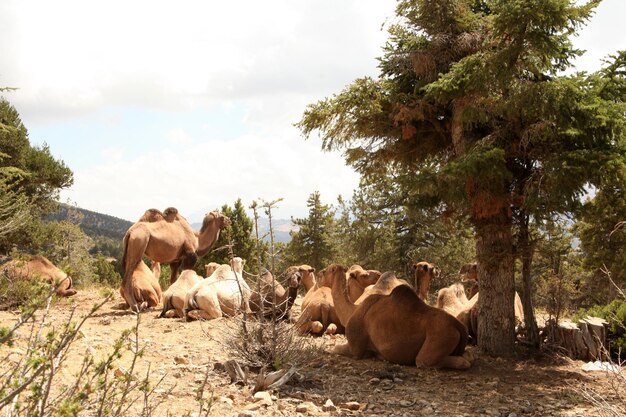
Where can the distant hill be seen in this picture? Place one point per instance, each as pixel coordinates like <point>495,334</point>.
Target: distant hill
<point>94,224</point>
<point>281,227</point>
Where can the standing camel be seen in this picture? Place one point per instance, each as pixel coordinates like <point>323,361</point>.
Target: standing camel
<point>168,238</point>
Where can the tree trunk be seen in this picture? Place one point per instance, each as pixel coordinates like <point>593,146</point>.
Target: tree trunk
<point>526,251</point>
<point>496,278</point>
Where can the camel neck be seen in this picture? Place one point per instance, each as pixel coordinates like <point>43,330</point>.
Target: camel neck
<point>343,306</point>
<point>207,239</point>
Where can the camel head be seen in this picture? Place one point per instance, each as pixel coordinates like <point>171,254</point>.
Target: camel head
<point>237,264</point>
<point>210,268</point>
<point>469,272</point>
<point>215,216</point>
<point>332,274</point>
<point>424,272</point>
<point>362,276</point>
<point>307,275</point>
<point>294,277</point>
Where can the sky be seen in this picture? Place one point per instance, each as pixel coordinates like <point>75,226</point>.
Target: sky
<point>191,104</point>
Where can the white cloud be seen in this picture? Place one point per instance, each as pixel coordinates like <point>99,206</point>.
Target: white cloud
<point>178,137</point>
<point>210,173</point>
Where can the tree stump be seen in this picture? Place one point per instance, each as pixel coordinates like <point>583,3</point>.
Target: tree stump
<point>584,340</point>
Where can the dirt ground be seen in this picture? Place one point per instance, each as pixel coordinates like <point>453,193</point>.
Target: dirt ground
<point>182,352</point>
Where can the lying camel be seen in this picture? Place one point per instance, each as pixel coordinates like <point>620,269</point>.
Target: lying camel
<point>232,292</point>
<point>174,297</point>
<point>271,293</point>
<point>145,288</point>
<point>39,267</point>
<point>423,273</point>
<point>399,327</point>
<point>168,238</point>
<point>469,273</point>
<point>201,301</point>
<point>384,286</point>
<point>318,310</point>
<point>453,300</point>
<point>210,268</point>
<point>359,279</point>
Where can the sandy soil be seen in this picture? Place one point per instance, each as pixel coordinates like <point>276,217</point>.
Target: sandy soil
<point>182,353</point>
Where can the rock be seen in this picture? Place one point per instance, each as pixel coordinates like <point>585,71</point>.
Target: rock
<point>306,407</point>
<point>512,415</point>
<point>263,397</point>
<point>374,381</point>
<point>252,407</point>
<point>179,360</point>
<point>246,413</point>
<point>329,406</point>
<point>226,400</point>
<point>352,405</point>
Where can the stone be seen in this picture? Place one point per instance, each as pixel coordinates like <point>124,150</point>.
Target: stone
<point>246,413</point>
<point>329,406</point>
<point>352,405</point>
<point>374,381</point>
<point>306,407</point>
<point>179,360</point>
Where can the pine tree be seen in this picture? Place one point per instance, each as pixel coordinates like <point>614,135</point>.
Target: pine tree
<point>471,98</point>
<point>312,244</point>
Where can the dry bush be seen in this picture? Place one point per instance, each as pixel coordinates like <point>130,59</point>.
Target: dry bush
<point>32,383</point>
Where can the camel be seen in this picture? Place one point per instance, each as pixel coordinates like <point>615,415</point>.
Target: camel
<point>145,288</point>
<point>201,301</point>
<point>174,297</point>
<point>317,310</point>
<point>469,273</point>
<point>399,327</point>
<point>40,267</point>
<point>168,238</point>
<point>384,286</point>
<point>359,279</point>
<point>453,300</point>
<point>232,292</point>
<point>271,293</point>
<point>423,273</point>
<point>210,268</point>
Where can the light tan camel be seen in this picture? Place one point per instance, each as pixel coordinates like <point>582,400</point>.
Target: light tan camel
<point>469,274</point>
<point>40,267</point>
<point>146,291</point>
<point>271,293</point>
<point>399,327</point>
<point>168,238</point>
<point>453,300</point>
<point>423,273</point>
<point>232,291</point>
<point>201,301</point>
<point>174,297</point>
<point>317,309</point>
<point>210,268</point>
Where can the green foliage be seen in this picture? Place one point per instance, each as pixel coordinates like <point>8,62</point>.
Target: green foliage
<point>312,243</point>
<point>603,239</point>
<point>30,177</point>
<point>240,234</point>
<point>16,292</point>
<point>615,314</point>
<point>105,272</point>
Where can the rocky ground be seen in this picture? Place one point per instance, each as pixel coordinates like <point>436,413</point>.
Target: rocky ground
<point>182,355</point>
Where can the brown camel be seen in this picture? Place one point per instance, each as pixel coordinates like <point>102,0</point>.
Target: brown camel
<point>144,287</point>
<point>174,296</point>
<point>384,286</point>
<point>272,294</point>
<point>318,310</point>
<point>399,327</point>
<point>423,273</point>
<point>168,238</point>
<point>39,267</point>
<point>359,279</point>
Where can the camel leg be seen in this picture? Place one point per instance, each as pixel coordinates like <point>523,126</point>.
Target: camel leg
<point>331,329</point>
<point>343,350</point>
<point>170,314</point>
<point>435,353</point>
<point>309,327</point>
<point>199,315</point>
<point>174,266</point>
<point>156,269</point>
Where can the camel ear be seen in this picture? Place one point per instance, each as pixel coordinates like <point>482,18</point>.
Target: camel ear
<point>425,268</point>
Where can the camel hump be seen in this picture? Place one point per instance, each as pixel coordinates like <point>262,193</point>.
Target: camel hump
<point>152,215</point>
<point>405,295</point>
<point>170,214</point>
